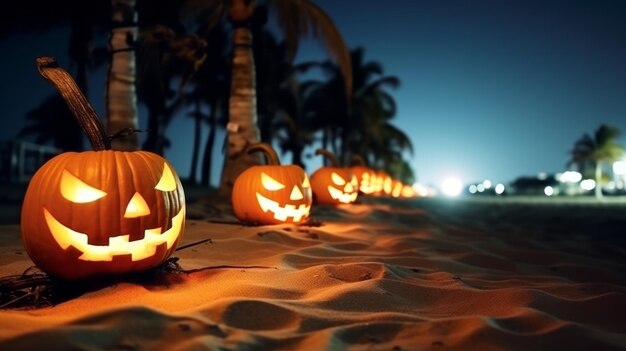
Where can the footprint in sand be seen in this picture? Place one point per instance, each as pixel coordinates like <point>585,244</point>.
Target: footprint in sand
<point>259,315</point>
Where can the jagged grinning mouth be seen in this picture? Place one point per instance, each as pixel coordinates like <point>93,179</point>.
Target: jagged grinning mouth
<point>118,245</point>
<point>341,196</point>
<point>282,213</point>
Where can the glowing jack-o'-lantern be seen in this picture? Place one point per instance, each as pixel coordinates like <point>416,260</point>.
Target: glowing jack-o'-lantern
<point>408,191</point>
<point>333,184</point>
<point>271,194</point>
<point>101,212</point>
<point>396,188</point>
<point>365,176</point>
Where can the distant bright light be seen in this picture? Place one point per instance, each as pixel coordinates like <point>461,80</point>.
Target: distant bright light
<point>619,167</point>
<point>480,188</point>
<point>542,176</point>
<point>571,177</point>
<point>452,187</point>
<point>499,188</point>
<point>472,189</point>
<point>487,183</point>
<point>549,191</point>
<point>588,184</point>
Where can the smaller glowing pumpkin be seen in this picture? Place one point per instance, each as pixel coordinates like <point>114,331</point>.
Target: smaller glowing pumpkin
<point>271,194</point>
<point>334,184</point>
<point>365,176</point>
<point>408,191</point>
<point>396,188</point>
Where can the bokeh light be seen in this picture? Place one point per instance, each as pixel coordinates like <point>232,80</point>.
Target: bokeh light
<point>588,184</point>
<point>452,187</point>
<point>499,189</point>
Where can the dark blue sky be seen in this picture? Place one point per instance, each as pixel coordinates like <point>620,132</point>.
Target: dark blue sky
<point>490,89</point>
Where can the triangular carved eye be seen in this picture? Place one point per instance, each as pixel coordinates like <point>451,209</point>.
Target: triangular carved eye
<point>75,190</point>
<point>337,179</point>
<point>305,183</point>
<point>270,183</point>
<point>167,181</point>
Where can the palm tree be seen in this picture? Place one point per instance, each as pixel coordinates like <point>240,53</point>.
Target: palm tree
<point>120,98</point>
<point>362,124</point>
<point>52,121</point>
<point>295,127</point>
<point>296,18</point>
<point>210,86</point>
<point>598,149</point>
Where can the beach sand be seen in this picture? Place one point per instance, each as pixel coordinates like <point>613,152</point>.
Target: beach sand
<point>421,274</point>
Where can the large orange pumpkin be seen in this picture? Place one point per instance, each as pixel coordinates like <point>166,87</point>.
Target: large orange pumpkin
<point>271,194</point>
<point>333,184</point>
<point>102,212</point>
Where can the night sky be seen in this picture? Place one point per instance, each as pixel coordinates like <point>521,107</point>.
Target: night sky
<point>490,89</point>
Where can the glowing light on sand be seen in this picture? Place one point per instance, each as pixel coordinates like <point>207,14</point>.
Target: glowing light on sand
<point>499,189</point>
<point>487,184</point>
<point>619,167</point>
<point>588,184</point>
<point>549,191</point>
<point>452,187</point>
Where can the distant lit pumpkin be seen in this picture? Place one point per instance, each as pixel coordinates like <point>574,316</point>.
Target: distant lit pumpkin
<point>365,176</point>
<point>103,212</point>
<point>334,184</point>
<point>408,191</point>
<point>271,194</point>
<point>396,188</point>
<point>382,183</point>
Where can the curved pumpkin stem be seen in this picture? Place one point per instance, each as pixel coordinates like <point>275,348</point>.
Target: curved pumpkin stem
<point>76,101</point>
<point>328,155</point>
<point>358,160</point>
<point>267,150</point>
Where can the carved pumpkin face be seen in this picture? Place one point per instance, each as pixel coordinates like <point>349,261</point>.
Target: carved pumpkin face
<point>99,213</point>
<point>334,185</point>
<point>396,188</point>
<point>365,177</point>
<point>408,191</point>
<point>272,194</point>
<point>382,183</point>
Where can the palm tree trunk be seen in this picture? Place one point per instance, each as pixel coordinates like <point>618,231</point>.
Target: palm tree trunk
<point>207,159</point>
<point>296,154</point>
<point>197,118</point>
<point>242,127</point>
<point>121,101</point>
<point>598,188</point>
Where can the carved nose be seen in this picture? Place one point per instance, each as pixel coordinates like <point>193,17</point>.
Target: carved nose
<point>296,194</point>
<point>348,188</point>
<point>137,207</point>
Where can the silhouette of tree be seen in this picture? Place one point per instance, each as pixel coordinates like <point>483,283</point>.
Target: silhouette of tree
<point>209,88</point>
<point>599,148</point>
<point>296,18</point>
<point>296,125</point>
<point>361,125</point>
<point>162,57</point>
<point>53,122</point>
<point>274,72</point>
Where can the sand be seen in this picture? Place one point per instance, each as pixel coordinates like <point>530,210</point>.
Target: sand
<point>379,275</point>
